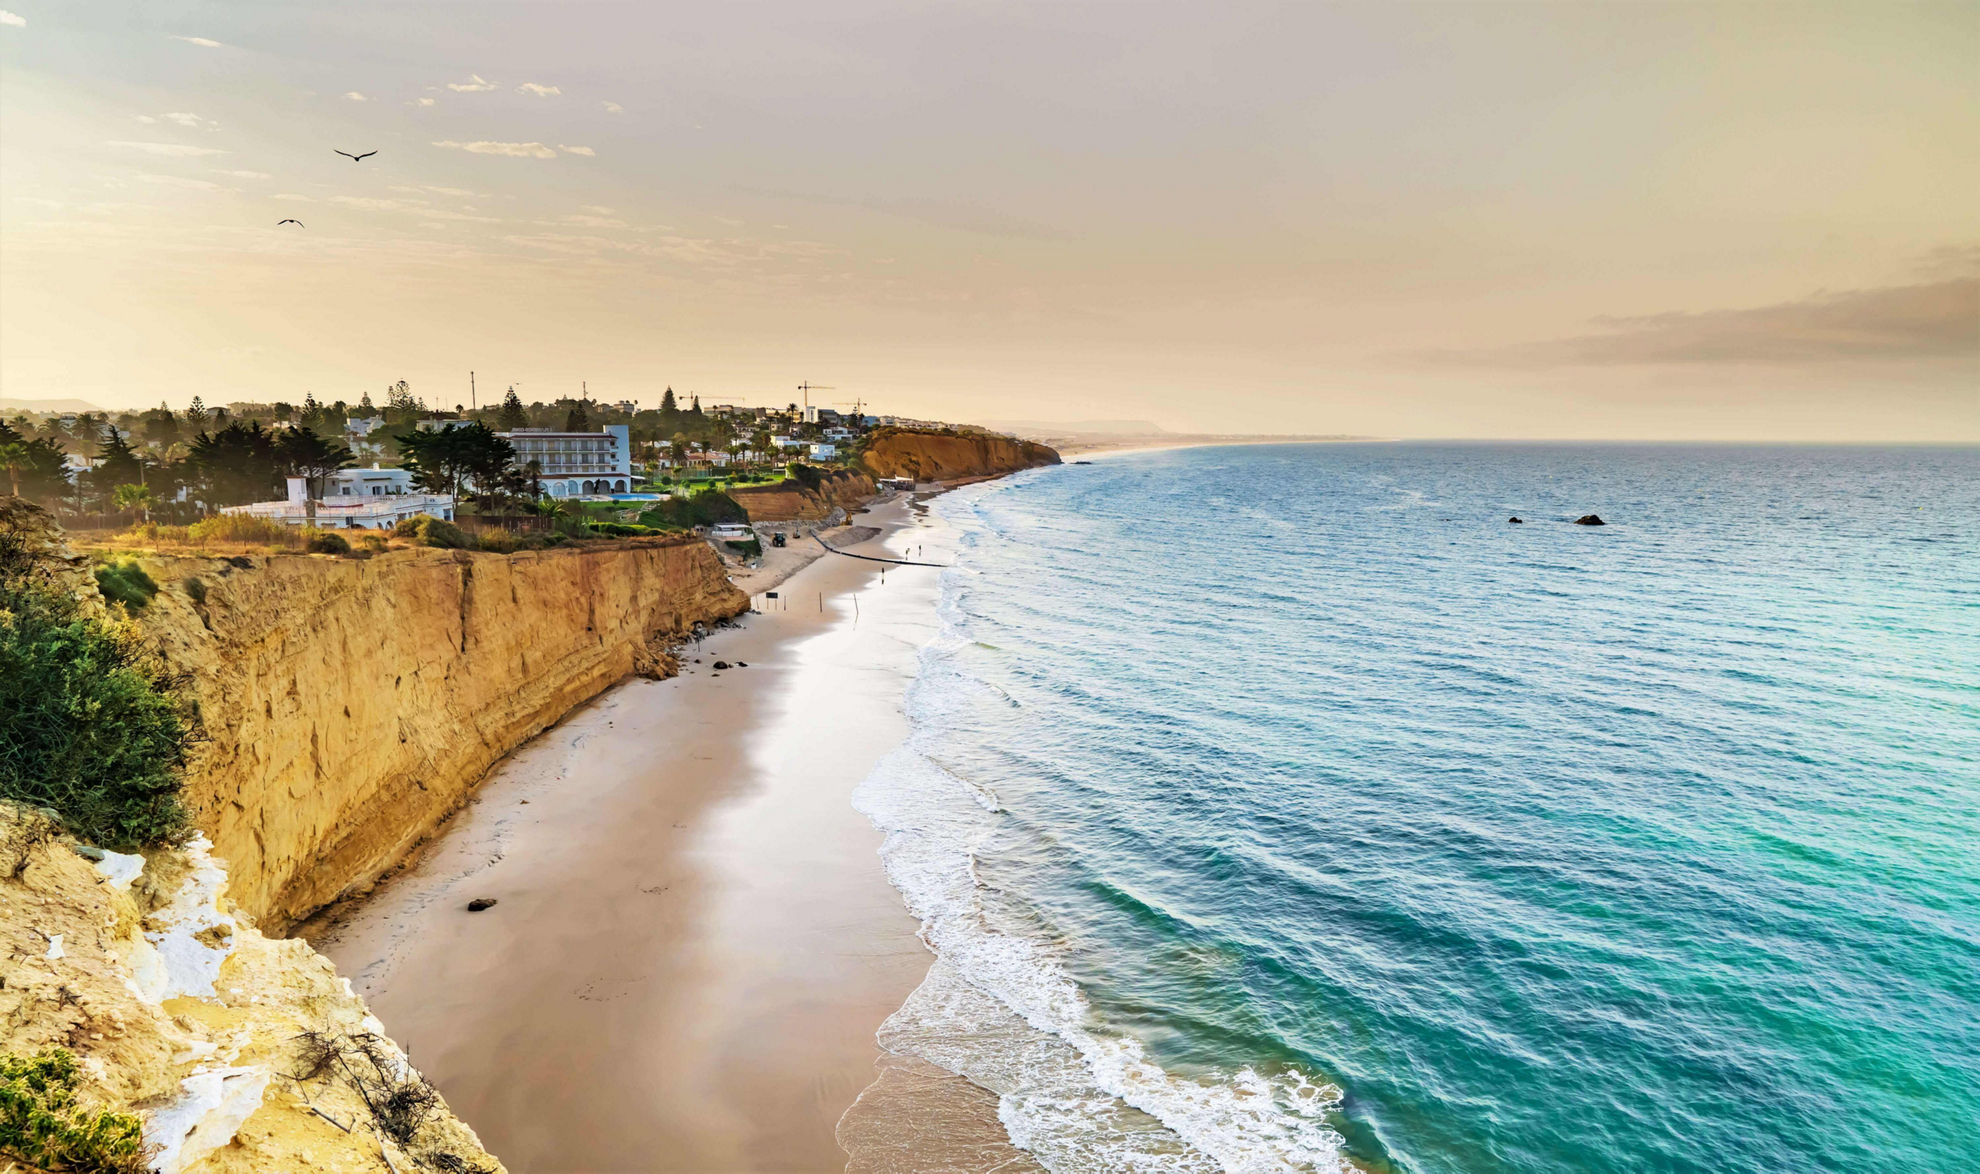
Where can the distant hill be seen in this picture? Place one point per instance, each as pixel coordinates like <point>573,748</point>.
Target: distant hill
<point>1078,427</point>
<point>46,405</point>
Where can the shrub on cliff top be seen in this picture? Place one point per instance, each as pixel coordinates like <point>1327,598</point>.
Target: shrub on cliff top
<point>42,1122</point>
<point>707,508</point>
<point>89,727</point>
<point>428,530</point>
<point>244,528</point>
<point>325,542</point>
<point>126,583</point>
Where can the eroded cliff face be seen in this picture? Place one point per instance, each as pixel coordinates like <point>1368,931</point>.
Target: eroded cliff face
<point>181,1013</point>
<point>947,456</point>
<point>350,705</point>
<point>792,501</point>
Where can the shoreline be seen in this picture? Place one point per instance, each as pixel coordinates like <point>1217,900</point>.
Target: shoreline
<point>684,892</point>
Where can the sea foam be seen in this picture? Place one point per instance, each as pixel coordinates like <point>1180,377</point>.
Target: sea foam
<point>1000,1009</point>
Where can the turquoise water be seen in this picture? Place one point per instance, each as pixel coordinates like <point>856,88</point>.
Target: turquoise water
<point>1270,806</point>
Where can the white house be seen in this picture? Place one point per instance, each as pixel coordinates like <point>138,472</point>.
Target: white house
<point>823,452</point>
<point>353,511</point>
<point>577,464</point>
<point>372,482</point>
<point>787,442</point>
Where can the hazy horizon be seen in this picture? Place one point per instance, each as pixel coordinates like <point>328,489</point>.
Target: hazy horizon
<point>1464,221</point>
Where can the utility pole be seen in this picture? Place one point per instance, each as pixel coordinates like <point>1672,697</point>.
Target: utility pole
<point>471,404</point>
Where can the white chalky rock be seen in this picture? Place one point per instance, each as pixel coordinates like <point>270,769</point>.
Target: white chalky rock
<point>213,1103</point>
<point>120,869</point>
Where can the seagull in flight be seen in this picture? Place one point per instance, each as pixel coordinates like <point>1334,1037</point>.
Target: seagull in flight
<point>357,158</point>
<point>297,223</point>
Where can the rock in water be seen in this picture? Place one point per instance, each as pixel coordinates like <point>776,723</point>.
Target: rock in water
<point>1515,521</point>
<point>480,903</point>
<point>1590,520</point>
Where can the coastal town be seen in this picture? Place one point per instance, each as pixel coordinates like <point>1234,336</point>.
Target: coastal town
<point>379,463</point>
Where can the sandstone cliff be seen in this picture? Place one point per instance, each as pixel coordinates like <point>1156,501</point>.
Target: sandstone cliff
<point>349,706</point>
<point>949,456</point>
<point>800,500</point>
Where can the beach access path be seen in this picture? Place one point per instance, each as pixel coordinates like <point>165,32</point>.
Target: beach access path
<point>694,941</point>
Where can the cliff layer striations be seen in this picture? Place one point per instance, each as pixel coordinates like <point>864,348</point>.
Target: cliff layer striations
<point>808,496</point>
<point>349,705</point>
<point>949,456</point>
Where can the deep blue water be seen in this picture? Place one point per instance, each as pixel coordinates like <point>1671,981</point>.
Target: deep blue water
<point>1540,848</point>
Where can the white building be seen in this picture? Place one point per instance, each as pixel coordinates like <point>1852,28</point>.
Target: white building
<point>373,482</point>
<point>353,511</point>
<point>577,464</point>
<point>823,452</point>
<point>787,442</point>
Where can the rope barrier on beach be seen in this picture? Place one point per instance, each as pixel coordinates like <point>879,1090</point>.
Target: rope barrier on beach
<point>899,562</point>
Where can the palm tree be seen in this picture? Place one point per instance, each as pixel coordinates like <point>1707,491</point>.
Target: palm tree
<point>15,457</point>
<point>136,498</point>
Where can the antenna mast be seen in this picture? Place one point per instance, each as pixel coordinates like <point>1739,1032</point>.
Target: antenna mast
<point>472,406</point>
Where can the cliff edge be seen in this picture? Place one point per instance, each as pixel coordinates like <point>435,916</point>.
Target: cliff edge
<point>348,706</point>
<point>949,456</point>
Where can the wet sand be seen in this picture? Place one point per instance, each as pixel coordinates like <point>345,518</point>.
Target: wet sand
<point>694,941</point>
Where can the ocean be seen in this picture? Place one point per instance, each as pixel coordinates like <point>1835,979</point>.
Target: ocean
<point>1285,808</point>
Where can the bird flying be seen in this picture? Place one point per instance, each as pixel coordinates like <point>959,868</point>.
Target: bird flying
<point>297,223</point>
<point>356,158</point>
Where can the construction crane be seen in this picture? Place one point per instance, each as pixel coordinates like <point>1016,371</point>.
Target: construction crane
<point>808,387</point>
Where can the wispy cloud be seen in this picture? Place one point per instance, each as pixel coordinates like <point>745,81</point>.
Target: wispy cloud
<point>613,108</point>
<point>354,96</point>
<point>474,85</point>
<point>244,174</point>
<point>173,150</point>
<point>413,191</point>
<point>294,196</point>
<point>202,42</point>
<point>519,150</point>
<point>593,222</point>
<point>597,209</point>
<point>1924,321</point>
<point>39,202</point>
<point>421,102</point>
<point>180,181</point>
<point>187,119</point>
<point>416,207</point>
<point>586,151</point>
<point>8,18</point>
<point>539,90</point>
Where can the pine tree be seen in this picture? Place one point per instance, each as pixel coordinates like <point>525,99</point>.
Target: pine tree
<point>365,410</point>
<point>513,414</point>
<point>667,403</point>
<point>196,416</point>
<point>578,420</point>
<point>312,412</point>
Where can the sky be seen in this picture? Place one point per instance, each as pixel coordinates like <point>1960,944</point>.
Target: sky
<point>1729,221</point>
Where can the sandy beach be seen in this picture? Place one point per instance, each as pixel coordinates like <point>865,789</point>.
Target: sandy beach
<point>694,941</point>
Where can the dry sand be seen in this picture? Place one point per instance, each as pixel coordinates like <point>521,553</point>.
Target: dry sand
<point>694,941</point>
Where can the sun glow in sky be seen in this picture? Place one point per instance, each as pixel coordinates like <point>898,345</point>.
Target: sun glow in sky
<point>1581,220</point>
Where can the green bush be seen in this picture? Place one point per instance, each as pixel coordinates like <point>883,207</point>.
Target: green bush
<point>89,727</point>
<point>428,530</point>
<point>43,1123</point>
<point>325,542</point>
<point>706,508</point>
<point>621,529</point>
<point>126,583</point>
<point>753,548</point>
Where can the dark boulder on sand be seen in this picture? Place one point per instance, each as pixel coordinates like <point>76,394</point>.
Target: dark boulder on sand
<point>480,903</point>
<point>1590,520</point>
